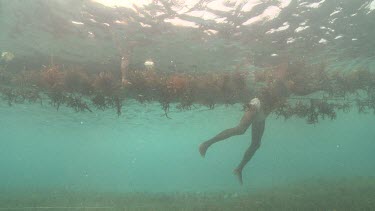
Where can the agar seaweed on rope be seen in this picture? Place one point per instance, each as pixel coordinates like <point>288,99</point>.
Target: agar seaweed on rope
<point>313,92</point>
<point>332,92</point>
<point>107,92</point>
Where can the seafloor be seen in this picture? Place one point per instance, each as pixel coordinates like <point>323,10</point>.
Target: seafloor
<point>343,194</point>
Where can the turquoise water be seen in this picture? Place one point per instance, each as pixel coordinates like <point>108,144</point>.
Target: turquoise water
<point>142,160</point>
<point>142,151</point>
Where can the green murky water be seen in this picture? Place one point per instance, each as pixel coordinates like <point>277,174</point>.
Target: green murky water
<point>142,160</point>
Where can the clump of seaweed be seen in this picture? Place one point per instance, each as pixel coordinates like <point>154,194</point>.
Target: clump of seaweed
<point>105,83</point>
<point>16,95</point>
<point>5,77</point>
<point>76,81</point>
<point>311,109</point>
<point>99,101</point>
<point>104,102</point>
<point>52,78</point>
<point>107,92</point>
<point>165,104</point>
<point>31,95</point>
<point>76,103</point>
<point>365,105</point>
<point>146,86</point>
<point>206,89</point>
<point>176,84</point>
<point>118,105</point>
<point>27,79</point>
<point>187,100</point>
<point>9,95</point>
<point>57,98</point>
<point>176,87</point>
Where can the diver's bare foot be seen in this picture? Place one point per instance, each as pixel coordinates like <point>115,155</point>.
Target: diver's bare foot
<point>203,149</point>
<point>238,173</point>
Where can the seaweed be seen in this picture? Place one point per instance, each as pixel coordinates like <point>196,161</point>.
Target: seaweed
<point>100,102</point>
<point>56,98</point>
<point>165,100</point>
<point>52,78</point>
<point>31,95</point>
<point>5,77</point>
<point>326,109</point>
<point>186,101</point>
<point>311,110</point>
<point>118,105</point>
<point>165,106</point>
<point>106,84</point>
<point>77,103</point>
<point>79,90</point>
<point>78,82</point>
<point>362,105</point>
<point>9,95</point>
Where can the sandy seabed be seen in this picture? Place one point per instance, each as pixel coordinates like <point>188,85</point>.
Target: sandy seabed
<point>343,194</point>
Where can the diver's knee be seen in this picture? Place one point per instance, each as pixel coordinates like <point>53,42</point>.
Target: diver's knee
<point>240,130</point>
<point>255,146</point>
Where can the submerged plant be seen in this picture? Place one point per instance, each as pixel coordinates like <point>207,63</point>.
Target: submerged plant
<point>5,77</point>
<point>80,90</point>
<point>57,98</point>
<point>9,95</point>
<point>176,84</point>
<point>118,105</point>
<point>52,78</point>
<point>99,101</point>
<point>27,79</point>
<point>78,82</point>
<point>106,84</point>
<point>76,103</point>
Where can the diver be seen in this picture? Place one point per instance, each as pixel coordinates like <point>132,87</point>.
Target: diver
<point>255,115</point>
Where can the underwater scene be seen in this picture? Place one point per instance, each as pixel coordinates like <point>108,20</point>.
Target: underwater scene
<point>187,105</point>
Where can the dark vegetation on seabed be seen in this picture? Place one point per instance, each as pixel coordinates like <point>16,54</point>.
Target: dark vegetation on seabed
<point>316,93</point>
<point>337,194</point>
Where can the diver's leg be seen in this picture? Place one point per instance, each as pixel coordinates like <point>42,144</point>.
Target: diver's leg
<point>257,130</point>
<point>240,129</point>
<point>221,136</point>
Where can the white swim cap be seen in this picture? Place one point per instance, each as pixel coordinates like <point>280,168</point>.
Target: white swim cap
<point>256,103</point>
